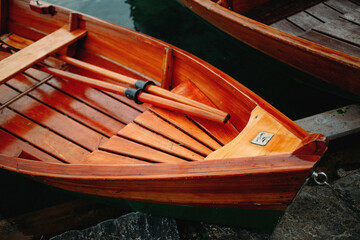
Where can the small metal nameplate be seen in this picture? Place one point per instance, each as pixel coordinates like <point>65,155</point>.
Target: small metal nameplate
<point>262,138</point>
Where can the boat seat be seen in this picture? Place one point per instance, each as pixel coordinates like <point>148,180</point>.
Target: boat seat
<point>282,141</point>
<point>37,51</point>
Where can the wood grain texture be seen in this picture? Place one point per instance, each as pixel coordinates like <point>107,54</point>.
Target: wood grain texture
<point>37,51</point>
<point>154,123</point>
<point>125,147</point>
<point>187,126</point>
<point>53,120</point>
<point>125,169</point>
<point>166,81</point>
<point>201,183</point>
<point>103,157</point>
<point>14,147</point>
<point>141,135</point>
<point>282,142</point>
<point>322,62</point>
<point>223,133</point>
<point>41,137</point>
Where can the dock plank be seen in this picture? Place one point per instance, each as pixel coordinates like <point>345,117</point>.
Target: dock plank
<point>286,26</point>
<point>341,29</point>
<point>323,12</point>
<point>342,6</point>
<point>304,20</point>
<point>37,51</point>
<point>353,16</point>
<point>333,43</point>
<point>334,123</point>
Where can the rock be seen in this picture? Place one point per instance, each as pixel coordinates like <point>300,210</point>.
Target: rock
<point>130,226</point>
<point>199,230</point>
<point>316,213</point>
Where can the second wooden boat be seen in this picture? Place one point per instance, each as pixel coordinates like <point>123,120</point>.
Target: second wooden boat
<point>78,137</point>
<point>319,37</point>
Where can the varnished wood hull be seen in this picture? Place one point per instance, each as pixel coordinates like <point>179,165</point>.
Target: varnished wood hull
<point>339,69</point>
<point>218,183</point>
<point>99,156</point>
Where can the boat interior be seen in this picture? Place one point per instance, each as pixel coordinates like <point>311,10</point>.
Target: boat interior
<point>331,23</point>
<point>50,119</point>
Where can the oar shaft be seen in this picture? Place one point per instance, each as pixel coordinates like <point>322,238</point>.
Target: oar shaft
<point>131,81</point>
<point>143,97</point>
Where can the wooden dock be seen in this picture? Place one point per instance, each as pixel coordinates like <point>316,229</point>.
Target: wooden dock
<point>334,124</point>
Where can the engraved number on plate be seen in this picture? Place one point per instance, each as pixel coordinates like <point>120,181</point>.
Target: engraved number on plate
<point>262,138</point>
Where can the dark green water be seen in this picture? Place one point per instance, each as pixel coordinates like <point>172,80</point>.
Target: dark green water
<point>284,87</point>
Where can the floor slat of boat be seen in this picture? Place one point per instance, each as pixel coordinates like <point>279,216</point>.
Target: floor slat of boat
<point>332,23</point>
<point>73,123</point>
<point>162,136</point>
<point>59,121</point>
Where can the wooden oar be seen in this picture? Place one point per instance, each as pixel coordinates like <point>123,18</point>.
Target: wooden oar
<point>139,96</point>
<point>149,88</point>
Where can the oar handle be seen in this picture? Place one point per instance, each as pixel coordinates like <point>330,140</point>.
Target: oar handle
<point>134,82</point>
<point>141,96</point>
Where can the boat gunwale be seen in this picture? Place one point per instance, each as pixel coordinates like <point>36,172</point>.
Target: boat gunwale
<point>224,167</point>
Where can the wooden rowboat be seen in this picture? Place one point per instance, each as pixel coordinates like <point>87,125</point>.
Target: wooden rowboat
<point>319,37</point>
<point>80,138</point>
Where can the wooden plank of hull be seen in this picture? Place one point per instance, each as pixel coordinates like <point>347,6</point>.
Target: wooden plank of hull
<point>269,184</point>
<point>339,69</point>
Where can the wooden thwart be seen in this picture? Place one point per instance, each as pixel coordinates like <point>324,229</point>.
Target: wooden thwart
<point>37,51</point>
